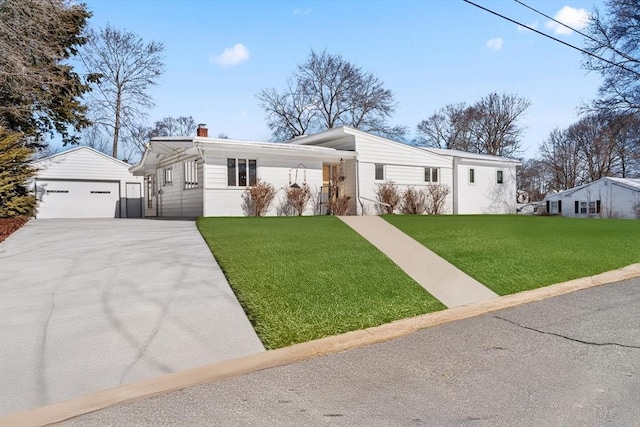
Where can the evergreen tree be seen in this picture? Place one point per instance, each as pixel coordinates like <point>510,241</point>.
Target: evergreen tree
<point>16,169</point>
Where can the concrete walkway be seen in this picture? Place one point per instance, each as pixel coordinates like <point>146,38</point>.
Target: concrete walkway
<point>441,279</point>
<point>90,304</point>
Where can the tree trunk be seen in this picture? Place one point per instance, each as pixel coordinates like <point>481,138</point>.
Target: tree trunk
<point>116,126</point>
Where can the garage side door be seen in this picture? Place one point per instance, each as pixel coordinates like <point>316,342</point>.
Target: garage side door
<point>78,199</point>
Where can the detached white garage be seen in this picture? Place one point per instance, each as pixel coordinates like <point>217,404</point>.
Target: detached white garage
<point>85,183</point>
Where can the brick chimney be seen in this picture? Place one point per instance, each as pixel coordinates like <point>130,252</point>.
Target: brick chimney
<point>202,130</point>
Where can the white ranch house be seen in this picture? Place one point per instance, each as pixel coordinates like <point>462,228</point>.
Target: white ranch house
<point>202,176</point>
<point>607,198</point>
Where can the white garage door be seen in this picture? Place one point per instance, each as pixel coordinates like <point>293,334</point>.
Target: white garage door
<point>78,199</point>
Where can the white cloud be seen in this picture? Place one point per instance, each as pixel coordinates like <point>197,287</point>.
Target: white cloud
<point>231,55</point>
<point>301,11</point>
<point>495,45</point>
<point>575,18</point>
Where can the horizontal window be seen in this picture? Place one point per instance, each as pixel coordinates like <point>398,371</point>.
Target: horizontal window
<point>100,192</point>
<point>430,174</point>
<point>57,191</point>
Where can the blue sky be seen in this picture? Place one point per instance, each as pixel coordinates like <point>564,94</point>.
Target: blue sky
<point>430,53</point>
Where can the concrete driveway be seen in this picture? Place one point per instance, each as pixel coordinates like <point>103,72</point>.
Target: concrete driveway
<point>90,304</point>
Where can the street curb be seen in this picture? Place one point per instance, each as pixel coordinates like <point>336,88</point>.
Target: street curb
<point>231,368</point>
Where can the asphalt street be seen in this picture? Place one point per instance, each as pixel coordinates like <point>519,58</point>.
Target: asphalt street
<point>90,304</point>
<point>569,360</point>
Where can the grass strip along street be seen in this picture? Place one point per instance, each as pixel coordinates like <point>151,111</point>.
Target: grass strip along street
<point>510,253</point>
<point>302,278</point>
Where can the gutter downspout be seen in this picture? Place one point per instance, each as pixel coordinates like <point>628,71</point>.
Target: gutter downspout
<point>455,185</point>
<point>358,185</point>
<point>204,181</point>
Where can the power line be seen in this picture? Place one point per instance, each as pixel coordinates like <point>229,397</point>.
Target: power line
<point>552,38</point>
<point>624,55</point>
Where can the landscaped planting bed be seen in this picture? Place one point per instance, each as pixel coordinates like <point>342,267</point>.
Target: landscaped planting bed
<point>302,278</point>
<point>10,225</point>
<point>510,253</point>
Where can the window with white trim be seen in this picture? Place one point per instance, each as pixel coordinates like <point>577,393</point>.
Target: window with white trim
<point>242,172</point>
<point>472,176</point>
<point>500,177</point>
<point>379,172</point>
<point>583,207</point>
<point>430,174</point>
<point>190,174</point>
<point>168,176</point>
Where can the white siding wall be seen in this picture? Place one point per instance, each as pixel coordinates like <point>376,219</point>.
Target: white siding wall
<point>486,196</point>
<point>615,201</point>
<point>403,164</point>
<point>88,165</point>
<point>222,200</point>
<point>174,200</point>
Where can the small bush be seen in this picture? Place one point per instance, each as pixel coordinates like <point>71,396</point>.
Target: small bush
<point>298,198</point>
<point>388,194</point>
<point>257,198</point>
<point>339,205</point>
<point>436,197</point>
<point>414,201</point>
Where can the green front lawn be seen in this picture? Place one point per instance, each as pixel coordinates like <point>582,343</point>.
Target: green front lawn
<point>302,278</point>
<point>515,253</point>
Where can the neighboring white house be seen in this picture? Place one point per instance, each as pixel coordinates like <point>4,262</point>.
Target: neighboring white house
<point>85,183</point>
<point>607,197</point>
<point>201,176</point>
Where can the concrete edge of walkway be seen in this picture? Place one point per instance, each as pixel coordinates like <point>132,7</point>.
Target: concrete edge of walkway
<point>330,345</point>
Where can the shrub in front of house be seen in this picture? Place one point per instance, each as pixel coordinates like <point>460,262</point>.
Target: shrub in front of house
<point>389,197</point>
<point>414,202</point>
<point>256,199</point>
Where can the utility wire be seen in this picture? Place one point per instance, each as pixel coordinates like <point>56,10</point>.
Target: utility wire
<point>624,55</point>
<point>553,38</point>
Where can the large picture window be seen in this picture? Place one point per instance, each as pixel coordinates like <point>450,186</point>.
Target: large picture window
<point>241,172</point>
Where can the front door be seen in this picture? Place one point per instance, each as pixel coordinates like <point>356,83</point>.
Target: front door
<point>151,196</point>
<point>134,200</point>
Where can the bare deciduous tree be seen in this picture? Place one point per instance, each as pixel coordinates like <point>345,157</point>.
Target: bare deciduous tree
<point>561,156</point>
<point>124,68</point>
<point>489,126</point>
<point>594,147</point>
<point>448,127</point>
<point>40,93</point>
<point>615,36</point>
<point>174,126</point>
<point>533,179</point>
<point>95,138</point>
<point>328,91</point>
